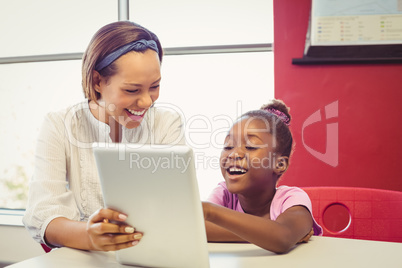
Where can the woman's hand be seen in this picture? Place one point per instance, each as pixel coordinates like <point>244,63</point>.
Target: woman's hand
<point>108,232</point>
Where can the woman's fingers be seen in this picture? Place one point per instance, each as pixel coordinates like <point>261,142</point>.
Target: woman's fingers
<point>110,240</point>
<point>107,214</point>
<point>113,237</point>
<point>115,247</point>
<point>104,221</point>
<point>111,228</point>
<point>108,232</point>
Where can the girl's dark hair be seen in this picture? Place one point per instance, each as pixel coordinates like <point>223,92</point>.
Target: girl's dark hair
<point>277,126</point>
<point>106,40</point>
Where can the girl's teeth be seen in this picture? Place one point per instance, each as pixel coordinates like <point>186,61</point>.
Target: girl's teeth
<point>234,169</point>
<point>136,112</point>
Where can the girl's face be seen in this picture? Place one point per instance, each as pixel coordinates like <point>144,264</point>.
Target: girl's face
<point>248,157</point>
<point>127,95</point>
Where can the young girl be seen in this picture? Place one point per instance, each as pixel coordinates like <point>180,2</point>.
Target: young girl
<point>248,206</point>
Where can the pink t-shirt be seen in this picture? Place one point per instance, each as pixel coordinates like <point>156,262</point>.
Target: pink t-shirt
<point>284,198</point>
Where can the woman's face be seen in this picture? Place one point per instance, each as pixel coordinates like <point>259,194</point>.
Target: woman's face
<point>127,95</point>
<point>248,157</point>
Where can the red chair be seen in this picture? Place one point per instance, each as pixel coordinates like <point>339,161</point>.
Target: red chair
<point>360,213</point>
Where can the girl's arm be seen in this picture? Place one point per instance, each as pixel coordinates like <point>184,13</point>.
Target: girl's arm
<point>96,234</point>
<point>278,236</point>
<point>215,233</point>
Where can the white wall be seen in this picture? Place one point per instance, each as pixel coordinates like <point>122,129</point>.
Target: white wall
<point>17,245</point>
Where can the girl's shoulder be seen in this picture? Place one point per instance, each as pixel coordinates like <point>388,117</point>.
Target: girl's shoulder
<point>218,193</point>
<point>221,196</point>
<point>284,190</point>
<point>287,196</point>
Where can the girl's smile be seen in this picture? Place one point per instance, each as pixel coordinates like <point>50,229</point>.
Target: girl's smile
<point>234,172</point>
<point>248,157</point>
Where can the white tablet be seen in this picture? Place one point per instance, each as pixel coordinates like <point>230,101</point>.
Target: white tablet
<point>156,186</point>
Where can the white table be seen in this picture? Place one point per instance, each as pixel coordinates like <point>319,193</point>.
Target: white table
<point>319,252</point>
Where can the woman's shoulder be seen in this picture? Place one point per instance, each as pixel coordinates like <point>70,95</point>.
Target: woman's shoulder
<point>60,119</point>
<point>165,111</point>
<point>62,113</point>
<point>167,124</point>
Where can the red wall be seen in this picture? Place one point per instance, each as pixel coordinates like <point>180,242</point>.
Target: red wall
<point>365,140</point>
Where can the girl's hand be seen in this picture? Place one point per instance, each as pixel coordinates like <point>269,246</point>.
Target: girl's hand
<point>307,237</point>
<point>108,232</point>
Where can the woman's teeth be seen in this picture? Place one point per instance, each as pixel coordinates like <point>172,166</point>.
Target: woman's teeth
<point>139,113</point>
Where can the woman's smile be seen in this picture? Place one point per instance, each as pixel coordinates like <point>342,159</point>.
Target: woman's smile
<point>132,90</point>
<point>135,115</point>
<point>139,112</point>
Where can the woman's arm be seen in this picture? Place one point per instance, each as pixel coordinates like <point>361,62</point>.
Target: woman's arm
<point>99,233</point>
<point>278,236</point>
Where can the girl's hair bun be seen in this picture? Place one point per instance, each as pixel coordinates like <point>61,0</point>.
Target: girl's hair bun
<point>280,106</point>
<point>270,113</point>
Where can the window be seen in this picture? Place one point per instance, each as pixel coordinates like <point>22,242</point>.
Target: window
<point>41,27</point>
<point>210,89</point>
<point>205,23</point>
<point>28,92</point>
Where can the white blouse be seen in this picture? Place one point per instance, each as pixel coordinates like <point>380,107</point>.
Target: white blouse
<point>65,181</point>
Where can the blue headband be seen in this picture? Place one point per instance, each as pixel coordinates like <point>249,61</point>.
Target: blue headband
<point>139,46</point>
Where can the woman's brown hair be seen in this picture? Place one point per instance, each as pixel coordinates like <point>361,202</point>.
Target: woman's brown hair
<point>106,40</point>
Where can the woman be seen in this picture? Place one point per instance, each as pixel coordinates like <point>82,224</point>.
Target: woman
<point>120,78</point>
